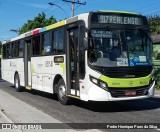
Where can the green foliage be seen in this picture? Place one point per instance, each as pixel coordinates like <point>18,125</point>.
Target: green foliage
<point>38,22</point>
<point>154,22</point>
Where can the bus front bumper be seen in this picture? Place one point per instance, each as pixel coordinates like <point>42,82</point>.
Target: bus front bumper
<point>96,93</point>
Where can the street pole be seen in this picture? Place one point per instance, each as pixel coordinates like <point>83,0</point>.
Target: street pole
<point>73,5</point>
<point>52,4</point>
<point>15,30</point>
<point>72,8</point>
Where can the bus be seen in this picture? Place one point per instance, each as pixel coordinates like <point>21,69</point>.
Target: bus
<point>96,56</point>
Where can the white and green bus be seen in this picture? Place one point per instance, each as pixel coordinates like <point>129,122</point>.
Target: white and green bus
<point>95,56</point>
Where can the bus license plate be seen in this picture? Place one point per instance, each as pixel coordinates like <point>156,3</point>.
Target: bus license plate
<point>130,93</point>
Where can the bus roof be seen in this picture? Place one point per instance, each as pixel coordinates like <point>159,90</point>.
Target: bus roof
<point>40,30</point>
<point>123,12</point>
<point>58,24</point>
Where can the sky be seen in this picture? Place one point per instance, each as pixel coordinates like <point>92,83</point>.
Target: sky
<point>14,13</point>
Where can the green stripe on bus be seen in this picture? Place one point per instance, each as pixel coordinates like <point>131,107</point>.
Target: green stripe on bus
<point>126,83</point>
<point>33,69</point>
<point>125,12</point>
<point>55,25</point>
<point>63,67</point>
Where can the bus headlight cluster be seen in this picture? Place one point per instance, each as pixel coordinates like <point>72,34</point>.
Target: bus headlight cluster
<point>103,85</point>
<point>98,82</point>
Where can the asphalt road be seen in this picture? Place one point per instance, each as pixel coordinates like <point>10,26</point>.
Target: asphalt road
<point>140,111</point>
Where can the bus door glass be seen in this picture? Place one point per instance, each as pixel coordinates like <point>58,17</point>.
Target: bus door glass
<point>27,66</point>
<point>74,60</point>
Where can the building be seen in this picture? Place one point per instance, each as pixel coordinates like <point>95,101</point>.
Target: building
<point>156,39</point>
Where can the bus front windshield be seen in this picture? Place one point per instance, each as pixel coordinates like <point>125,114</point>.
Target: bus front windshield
<point>112,48</point>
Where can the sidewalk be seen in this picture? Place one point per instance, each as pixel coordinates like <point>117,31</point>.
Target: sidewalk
<point>13,110</point>
<point>157,93</point>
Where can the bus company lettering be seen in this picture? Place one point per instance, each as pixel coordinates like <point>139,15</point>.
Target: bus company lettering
<point>12,64</point>
<point>144,82</point>
<point>115,83</point>
<point>119,20</point>
<point>48,63</point>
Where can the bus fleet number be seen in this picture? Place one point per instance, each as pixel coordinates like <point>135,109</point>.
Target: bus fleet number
<point>49,63</point>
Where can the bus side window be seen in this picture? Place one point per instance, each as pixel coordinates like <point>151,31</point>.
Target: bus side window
<point>46,43</point>
<point>20,48</point>
<point>58,41</point>
<point>54,40</point>
<point>8,52</point>
<point>36,46</point>
<point>4,51</point>
<point>60,46</point>
<point>12,47</point>
<point>15,49</point>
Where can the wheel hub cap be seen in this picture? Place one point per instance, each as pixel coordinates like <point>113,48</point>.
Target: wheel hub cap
<point>62,92</point>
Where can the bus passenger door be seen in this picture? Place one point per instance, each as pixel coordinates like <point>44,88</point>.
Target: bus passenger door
<point>73,62</point>
<point>27,63</point>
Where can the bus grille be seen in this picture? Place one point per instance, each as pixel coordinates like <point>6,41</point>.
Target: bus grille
<point>133,72</point>
<point>117,93</point>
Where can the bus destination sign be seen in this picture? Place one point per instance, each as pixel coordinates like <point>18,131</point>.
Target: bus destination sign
<point>112,19</point>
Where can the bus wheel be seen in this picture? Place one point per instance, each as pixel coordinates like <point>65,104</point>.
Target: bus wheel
<point>17,83</point>
<point>63,99</point>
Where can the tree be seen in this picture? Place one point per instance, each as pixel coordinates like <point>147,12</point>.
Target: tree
<point>38,22</point>
<point>154,22</point>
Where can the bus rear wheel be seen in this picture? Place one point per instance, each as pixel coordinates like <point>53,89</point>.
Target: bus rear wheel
<point>17,83</point>
<point>62,94</point>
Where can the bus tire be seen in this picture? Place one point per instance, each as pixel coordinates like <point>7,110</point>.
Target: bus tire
<point>63,99</point>
<point>17,83</point>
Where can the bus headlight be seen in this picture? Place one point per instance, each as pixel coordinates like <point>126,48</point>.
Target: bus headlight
<point>98,82</point>
<point>95,81</point>
<point>103,85</point>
